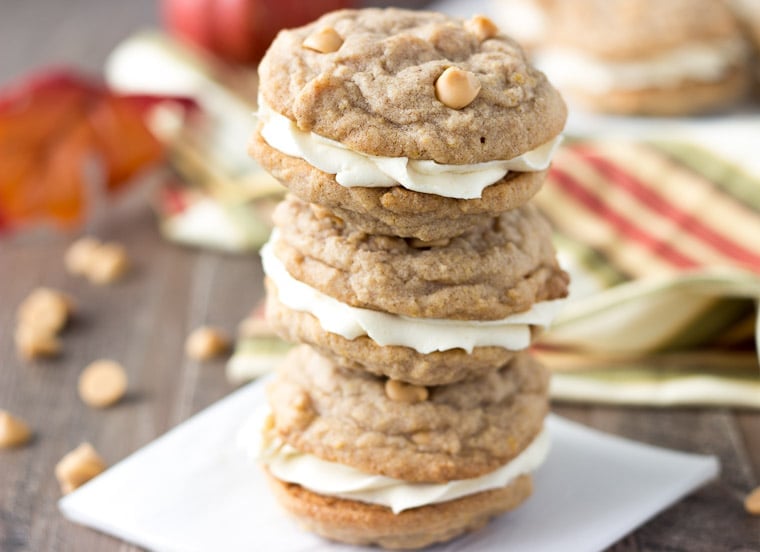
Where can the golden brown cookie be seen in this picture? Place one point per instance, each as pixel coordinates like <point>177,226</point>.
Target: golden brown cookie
<point>500,267</point>
<point>369,524</point>
<point>376,93</point>
<point>459,431</point>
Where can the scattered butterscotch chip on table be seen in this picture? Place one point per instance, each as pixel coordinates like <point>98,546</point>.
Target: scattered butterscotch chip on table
<point>102,383</point>
<point>33,342</point>
<point>78,466</point>
<point>99,262</point>
<point>752,502</point>
<point>79,255</point>
<point>40,317</point>
<point>14,432</point>
<point>46,309</point>
<point>109,264</point>
<point>206,342</point>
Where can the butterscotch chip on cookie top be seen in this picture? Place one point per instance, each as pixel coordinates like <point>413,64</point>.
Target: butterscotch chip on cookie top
<point>455,432</point>
<point>378,92</point>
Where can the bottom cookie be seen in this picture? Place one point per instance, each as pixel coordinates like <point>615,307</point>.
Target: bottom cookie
<point>688,99</point>
<point>358,523</point>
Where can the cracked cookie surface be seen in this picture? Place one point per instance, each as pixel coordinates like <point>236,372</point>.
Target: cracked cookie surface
<point>461,431</point>
<point>376,93</point>
<point>501,267</point>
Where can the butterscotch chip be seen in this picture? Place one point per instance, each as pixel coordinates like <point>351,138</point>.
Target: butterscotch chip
<point>33,342</point>
<point>45,309</point>
<point>102,383</point>
<point>456,88</point>
<point>325,40</point>
<point>13,431</point>
<point>421,244</point>
<point>405,392</point>
<point>108,263</point>
<point>78,467</point>
<point>752,502</point>
<point>79,255</point>
<point>205,343</point>
<point>482,27</point>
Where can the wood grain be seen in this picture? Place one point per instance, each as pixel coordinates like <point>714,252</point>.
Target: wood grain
<point>142,322</point>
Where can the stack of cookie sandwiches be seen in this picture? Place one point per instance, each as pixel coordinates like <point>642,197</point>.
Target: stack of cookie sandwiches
<point>409,264</point>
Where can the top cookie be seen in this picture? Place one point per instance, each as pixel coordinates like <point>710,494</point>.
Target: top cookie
<point>376,93</point>
<point>626,29</point>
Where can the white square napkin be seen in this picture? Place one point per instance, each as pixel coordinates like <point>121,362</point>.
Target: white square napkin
<point>193,489</point>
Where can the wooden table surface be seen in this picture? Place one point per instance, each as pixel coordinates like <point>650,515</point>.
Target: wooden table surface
<point>143,320</point>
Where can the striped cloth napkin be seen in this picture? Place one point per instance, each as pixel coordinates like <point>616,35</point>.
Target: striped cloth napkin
<point>662,239</point>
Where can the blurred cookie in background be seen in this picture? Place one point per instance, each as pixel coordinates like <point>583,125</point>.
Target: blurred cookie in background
<point>748,14</point>
<point>638,57</point>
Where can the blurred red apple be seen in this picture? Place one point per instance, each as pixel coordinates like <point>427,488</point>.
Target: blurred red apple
<point>240,30</point>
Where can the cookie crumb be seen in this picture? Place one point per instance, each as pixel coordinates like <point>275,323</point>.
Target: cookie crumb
<point>14,432</point>
<point>205,343</point>
<point>102,383</point>
<point>78,466</point>
<point>324,41</point>
<point>456,88</point>
<point>405,392</point>
<point>752,502</point>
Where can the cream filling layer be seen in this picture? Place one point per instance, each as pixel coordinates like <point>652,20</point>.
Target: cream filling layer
<point>424,335</point>
<point>352,168</point>
<point>332,479</point>
<point>704,62</point>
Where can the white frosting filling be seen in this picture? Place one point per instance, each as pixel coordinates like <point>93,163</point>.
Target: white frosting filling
<point>352,168</point>
<point>705,62</point>
<point>332,479</point>
<point>424,335</point>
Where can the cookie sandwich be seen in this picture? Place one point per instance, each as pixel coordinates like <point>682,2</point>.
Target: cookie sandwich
<point>370,460</point>
<point>648,57</point>
<point>397,120</point>
<point>425,313</point>
<point>410,266</point>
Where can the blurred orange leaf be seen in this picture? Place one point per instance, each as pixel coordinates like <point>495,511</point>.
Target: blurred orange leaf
<point>53,129</point>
